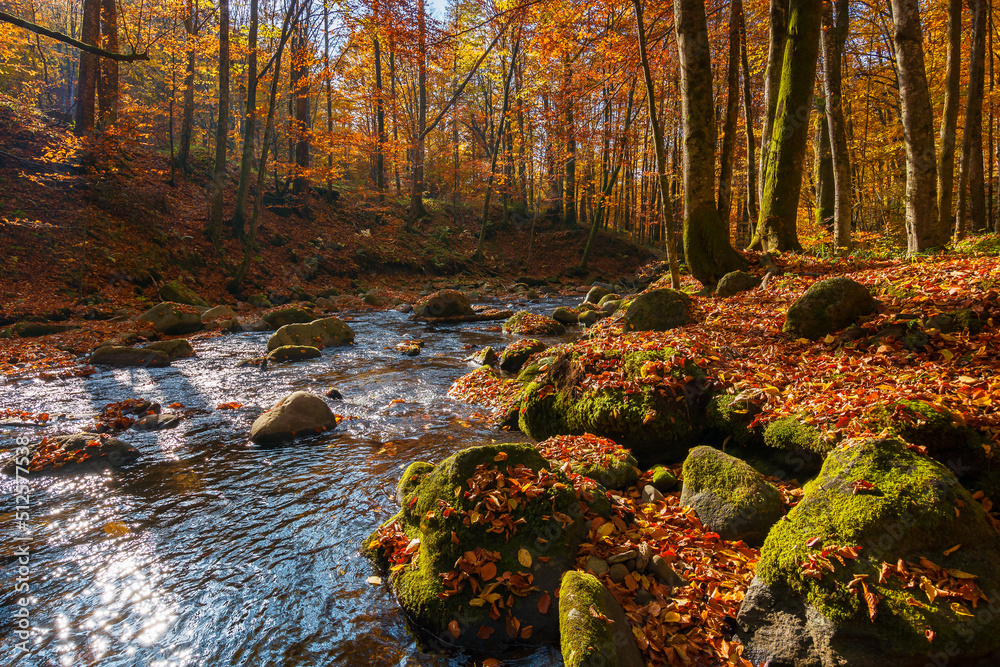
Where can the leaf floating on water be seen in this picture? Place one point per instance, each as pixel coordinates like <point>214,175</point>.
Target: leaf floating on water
<point>116,528</point>
<point>374,580</point>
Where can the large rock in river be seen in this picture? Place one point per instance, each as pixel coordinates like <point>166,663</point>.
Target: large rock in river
<point>658,310</point>
<point>176,348</point>
<point>172,319</point>
<point>291,315</point>
<point>532,324</point>
<point>463,555</point>
<point>297,415</point>
<point>328,332</point>
<point>827,306</point>
<point>887,560</point>
<point>77,453</point>
<point>448,303</point>
<point>120,356</point>
<point>731,498</point>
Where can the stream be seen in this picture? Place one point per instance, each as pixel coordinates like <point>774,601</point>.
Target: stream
<point>238,554</point>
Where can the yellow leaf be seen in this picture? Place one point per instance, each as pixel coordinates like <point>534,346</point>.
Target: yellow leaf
<point>949,552</point>
<point>671,617</point>
<point>958,574</point>
<point>949,338</point>
<point>524,557</point>
<point>374,580</point>
<point>829,338</point>
<point>116,528</point>
<point>948,355</point>
<point>960,610</point>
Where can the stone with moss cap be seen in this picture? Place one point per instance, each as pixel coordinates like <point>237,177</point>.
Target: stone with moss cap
<point>827,306</point>
<point>658,310</point>
<point>601,459</point>
<point>172,318</point>
<point>435,508</point>
<point>895,504</point>
<point>663,479</point>
<point>735,282</point>
<point>588,640</point>
<point>327,332</point>
<point>532,324</point>
<point>291,353</point>
<point>733,418</point>
<point>515,354</point>
<point>178,292</point>
<point>731,498</point>
<point>655,418</point>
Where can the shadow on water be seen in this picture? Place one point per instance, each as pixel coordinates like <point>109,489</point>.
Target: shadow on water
<point>237,554</point>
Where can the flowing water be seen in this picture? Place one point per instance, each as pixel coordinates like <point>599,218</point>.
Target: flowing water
<point>238,554</point>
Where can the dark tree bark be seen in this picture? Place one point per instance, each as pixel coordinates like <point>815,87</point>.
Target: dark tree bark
<point>823,167</point>
<point>417,209</point>
<point>918,128</point>
<point>107,84</point>
<point>727,157</point>
<point>707,250</point>
<point>569,189</point>
<point>187,113</point>
<point>949,121</point>
<point>972,135</point>
<point>300,91</point>
<point>87,79</point>
<point>785,154</point>
<point>220,175</point>
<point>834,37</point>
<point>380,123</point>
<point>748,117</point>
<point>246,159</point>
<point>778,19</point>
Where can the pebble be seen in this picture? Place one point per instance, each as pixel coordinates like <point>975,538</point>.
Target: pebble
<point>643,597</point>
<point>597,566</point>
<point>645,555</point>
<point>650,494</point>
<point>618,573</point>
<point>622,557</point>
<point>661,568</point>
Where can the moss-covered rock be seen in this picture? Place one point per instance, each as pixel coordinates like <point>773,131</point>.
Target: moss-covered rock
<point>828,305</point>
<point>464,522</point>
<point>596,293</point>
<point>446,304</point>
<point>177,348</point>
<point>652,408</point>
<point>327,332</point>
<point>120,356</point>
<point>36,329</point>
<point>532,324</point>
<point>608,297</point>
<point>565,315</point>
<point>515,354</point>
<point>178,292</point>
<point>798,447</point>
<point>731,498</point>
<point>735,282</point>
<point>601,459</point>
<point>487,387</point>
<point>658,310</point>
<point>883,518</point>
<point>290,353</point>
<point>291,315</point>
<point>172,319</point>
<point>484,357</point>
<point>593,629</point>
<point>663,479</point>
<point>733,418</point>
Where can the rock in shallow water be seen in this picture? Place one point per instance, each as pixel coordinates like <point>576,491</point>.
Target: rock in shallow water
<point>298,414</point>
<point>71,454</point>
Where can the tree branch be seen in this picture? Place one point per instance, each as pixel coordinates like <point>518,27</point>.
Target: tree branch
<point>58,36</point>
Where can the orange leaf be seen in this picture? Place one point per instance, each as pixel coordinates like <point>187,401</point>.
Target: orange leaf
<point>454,629</point>
<point>543,603</point>
<point>488,571</point>
<point>484,632</point>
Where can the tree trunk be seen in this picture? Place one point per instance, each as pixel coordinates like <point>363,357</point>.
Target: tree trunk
<point>973,132</point>
<point>949,122</point>
<point>107,85</point>
<point>778,18</point>
<point>417,210</point>
<point>569,188</point>
<point>222,130</point>
<point>246,159</point>
<point>187,113</point>
<point>728,156</point>
<point>918,128</point>
<point>785,154</point>
<point>89,66</point>
<point>300,91</point>
<point>707,250</point>
<point>748,116</point>
<point>823,167</point>
<point>835,30</point>
<point>380,123</point>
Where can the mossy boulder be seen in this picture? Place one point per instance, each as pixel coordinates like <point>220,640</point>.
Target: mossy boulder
<point>448,303</point>
<point>654,409</point>
<point>218,313</point>
<point>290,353</point>
<point>907,531</point>
<point>178,292</point>
<point>327,332</point>
<point>172,319</point>
<point>663,479</point>
<point>735,282</point>
<point>658,310</point>
<point>178,348</point>
<point>71,454</point>
<point>596,293</point>
<point>532,324</point>
<point>732,417</point>
<point>593,629</point>
<point>119,356</point>
<point>827,306</point>
<point>565,315</point>
<point>515,354</point>
<point>463,554</point>
<point>484,357</point>
<point>291,315</point>
<point>601,459</point>
<point>607,298</point>
<point>731,498</point>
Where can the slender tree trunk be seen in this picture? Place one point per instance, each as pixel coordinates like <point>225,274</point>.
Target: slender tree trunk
<point>187,113</point>
<point>380,123</point>
<point>417,210</point>
<point>973,133</point>
<point>834,36</point>
<point>107,84</point>
<point>707,250</point>
<point>748,116</point>
<point>918,128</point>
<point>569,187</point>
<point>222,131</point>
<point>89,67</point>
<point>728,155</point>
<point>776,229</point>
<point>823,166</point>
<point>778,17</point>
<point>300,91</point>
<point>329,103</point>
<point>949,122</point>
<point>246,159</point>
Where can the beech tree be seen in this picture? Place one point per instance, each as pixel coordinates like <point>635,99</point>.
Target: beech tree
<point>836,18</point>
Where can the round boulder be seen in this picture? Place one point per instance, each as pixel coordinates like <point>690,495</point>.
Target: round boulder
<point>290,353</point>
<point>180,293</point>
<point>172,319</point>
<point>119,356</point>
<point>448,303</point>
<point>827,306</point>
<point>515,354</point>
<point>601,459</point>
<point>178,348</point>
<point>292,315</point>
<point>593,628</point>
<point>328,332</point>
<point>297,415</point>
<point>532,324</point>
<point>735,282</point>
<point>658,310</point>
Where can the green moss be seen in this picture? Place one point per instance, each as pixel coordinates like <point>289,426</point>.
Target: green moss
<point>412,476</point>
<point>585,640</point>
<point>916,509</point>
<point>664,478</point>
<point>790,434</point>
<point>708,469</point>
<point>732,418</point>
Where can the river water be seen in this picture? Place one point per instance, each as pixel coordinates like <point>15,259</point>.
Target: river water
<point>237,554</point>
